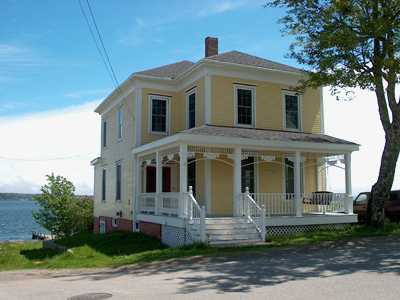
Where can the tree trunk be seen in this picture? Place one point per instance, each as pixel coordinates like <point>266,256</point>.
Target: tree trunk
<point>381,189</point>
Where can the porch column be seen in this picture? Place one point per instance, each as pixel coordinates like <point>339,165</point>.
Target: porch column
<point>158,182</point>
<point>297,188</point>
<point>182,177</point>
<point>237,180</point>
<point>349,192</point>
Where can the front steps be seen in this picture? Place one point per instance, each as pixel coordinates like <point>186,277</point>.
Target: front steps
<point>231,231</point>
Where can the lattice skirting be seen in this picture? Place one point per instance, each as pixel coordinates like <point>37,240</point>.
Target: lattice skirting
<point>175,236</point>
<point>287,230</point>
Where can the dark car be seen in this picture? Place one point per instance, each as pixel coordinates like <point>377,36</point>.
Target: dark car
<point>392,206</point>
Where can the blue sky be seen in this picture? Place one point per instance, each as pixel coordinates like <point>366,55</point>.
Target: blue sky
<point>48,59</point>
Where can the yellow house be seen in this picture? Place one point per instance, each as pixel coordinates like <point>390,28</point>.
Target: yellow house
<point>224,150</point>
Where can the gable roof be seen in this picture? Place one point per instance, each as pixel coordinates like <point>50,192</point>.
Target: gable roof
<point>241,58</point>
<point>168,71</point>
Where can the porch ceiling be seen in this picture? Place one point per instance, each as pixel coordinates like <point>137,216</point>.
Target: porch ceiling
<point>254,138</point>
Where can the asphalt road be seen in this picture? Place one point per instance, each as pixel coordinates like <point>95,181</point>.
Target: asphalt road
<point>361,269</point>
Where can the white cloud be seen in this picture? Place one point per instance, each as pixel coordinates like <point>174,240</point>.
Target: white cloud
<point>357,121</point>
<point>34,144</point>
<point>218,7</point>
<point>86,93</point>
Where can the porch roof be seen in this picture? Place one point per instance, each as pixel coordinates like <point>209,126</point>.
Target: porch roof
<point>254,137</point>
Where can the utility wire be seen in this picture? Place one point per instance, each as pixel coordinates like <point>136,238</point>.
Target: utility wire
<point>102,55</point>
<point>102,43</point>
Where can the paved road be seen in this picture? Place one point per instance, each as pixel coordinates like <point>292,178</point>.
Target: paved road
<point>362,269</point>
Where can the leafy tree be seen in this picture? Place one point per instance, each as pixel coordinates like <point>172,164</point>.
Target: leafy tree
<point>60,211</point>
<point>349,44</point>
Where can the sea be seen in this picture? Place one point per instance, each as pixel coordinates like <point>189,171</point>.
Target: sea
<point>16,221</point>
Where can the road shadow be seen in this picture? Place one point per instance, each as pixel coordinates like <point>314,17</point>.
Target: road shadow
<point>240,273</point>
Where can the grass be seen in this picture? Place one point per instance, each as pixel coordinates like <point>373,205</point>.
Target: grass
<point>119,248</point>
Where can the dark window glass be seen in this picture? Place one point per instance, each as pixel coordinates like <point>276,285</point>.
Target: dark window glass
<point>192,110</point>
<point>289,176</point>
<point>103,186</point>
<point>118,183</point>
<point>192,174</point>
<point>159,115</point>
<point>244,107</point>
<point>104,135</point>
<point>248,174</point>
<point>292,111</point>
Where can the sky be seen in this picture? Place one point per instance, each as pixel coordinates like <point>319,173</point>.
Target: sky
<point>52,78</point>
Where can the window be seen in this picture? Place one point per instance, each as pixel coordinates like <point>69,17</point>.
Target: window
<point>120,120</point>
<point>289,176</point>
<point>159,114</point>
<point>104,133</point>
<point>244,100</point>
<point>103,185</point>
<point>191,110</point>
<point>248,174</point>
<point>191,176</point>
<point>292,111</point>
<point>362,199</point>
<point>118,181</point>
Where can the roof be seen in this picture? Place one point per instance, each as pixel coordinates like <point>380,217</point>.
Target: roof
<point>241,58</point>
<point>168,71</point>
<point>265,134</point>
<point>172,71</point>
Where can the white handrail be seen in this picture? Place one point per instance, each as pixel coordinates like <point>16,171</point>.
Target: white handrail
<point>254,213</point>
<point>197,214</point>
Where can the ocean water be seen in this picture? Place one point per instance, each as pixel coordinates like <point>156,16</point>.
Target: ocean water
<point>16,222</point>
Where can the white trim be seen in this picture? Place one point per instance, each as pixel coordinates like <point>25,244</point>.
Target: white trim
<point>207,99</point>
<point>164,220</point>
<point>167,99</point>
<point>321,108</point>
<point>299,109</point>
<point>120,123</point>
<point>187,95</point>
<point>236,87</point>
<point>138,116</point>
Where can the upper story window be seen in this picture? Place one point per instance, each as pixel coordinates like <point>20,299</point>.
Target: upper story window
<point>244,106</point>
<point>120,123</point>
<point>118,183</point>
<point>159,109</point>
<point>104,133</point>
<point>292,116</point>
<point>103,184</point>
<point>191,109</point>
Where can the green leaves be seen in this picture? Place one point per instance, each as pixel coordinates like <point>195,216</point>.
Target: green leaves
<point>60,211</point>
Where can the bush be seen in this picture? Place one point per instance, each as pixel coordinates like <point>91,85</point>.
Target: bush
<point>60,211</point>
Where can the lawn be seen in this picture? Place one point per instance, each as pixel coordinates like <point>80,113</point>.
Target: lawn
<point>119,248</point>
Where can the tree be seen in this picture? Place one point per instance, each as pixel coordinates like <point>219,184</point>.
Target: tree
<point>349,44</point>
<point>60,211</point>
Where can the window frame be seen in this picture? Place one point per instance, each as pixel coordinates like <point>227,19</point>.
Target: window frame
<point>120,123</point>
<point>188,94</point>
<point>251,88</point>
<point>118,183</point>
<point>302,174</point>
<point>299,110</point>
<point>167,99</point>
<point>104,133</point>
<point>103,185</point>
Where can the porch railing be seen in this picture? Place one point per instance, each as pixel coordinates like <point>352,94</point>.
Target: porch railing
<point>254,212</point>
<point>284,204</point>
<point>165,204</point>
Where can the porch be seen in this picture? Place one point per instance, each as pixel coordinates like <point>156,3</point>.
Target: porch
<point>188,179</point>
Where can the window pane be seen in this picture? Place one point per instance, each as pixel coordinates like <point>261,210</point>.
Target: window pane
<point>292,111</point>
<point>159,115</point>
<point>191,176</point>
<point>244,107</point>
<point>118,183</point>
<point>120,123</point>
<point>104,134</point>
<point>103,186</point>
<point>192,110</point>
<point>289,176</point>
<point>248,179</point>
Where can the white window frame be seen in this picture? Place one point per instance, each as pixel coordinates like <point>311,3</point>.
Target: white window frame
<point>120,123</point>
<point>188,94</point>
<point>302,172</point>
<point>300,110</point>
<point>118,163</point>
<point>104,178</point>
<point>167,99</point>
<point>237,87</point>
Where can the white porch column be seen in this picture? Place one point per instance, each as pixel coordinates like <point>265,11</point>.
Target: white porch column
<point>182,177</point>
<point>237,180</point>
<point>297,188</point>
<point>158,182</point>
<point>349,192</point>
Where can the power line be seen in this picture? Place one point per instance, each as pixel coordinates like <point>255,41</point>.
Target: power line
<point>102,43</point>
<point>108,67</point>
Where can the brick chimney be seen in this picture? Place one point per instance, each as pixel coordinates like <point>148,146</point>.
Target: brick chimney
<point>211,46</point>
